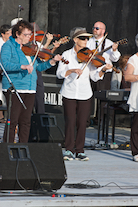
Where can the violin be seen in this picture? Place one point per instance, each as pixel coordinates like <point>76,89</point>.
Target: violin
<point>85,54</point>
<point>38,36</point>
<point>44,54</point>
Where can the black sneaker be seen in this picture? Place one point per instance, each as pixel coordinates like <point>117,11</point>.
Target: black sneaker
<point>81,157</point>
<point>68,155</point>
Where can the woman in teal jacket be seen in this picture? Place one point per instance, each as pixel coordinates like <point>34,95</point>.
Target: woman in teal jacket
<point>23,76</point>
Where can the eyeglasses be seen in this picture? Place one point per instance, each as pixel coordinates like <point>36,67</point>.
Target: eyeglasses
<point>97,28</point>
<point>27,35</point>
<point>83,38</point>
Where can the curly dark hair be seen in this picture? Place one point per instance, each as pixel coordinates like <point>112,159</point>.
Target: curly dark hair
<point>20,26</point>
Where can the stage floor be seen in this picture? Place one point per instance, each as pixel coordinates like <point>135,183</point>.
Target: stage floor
<point>109,178</point>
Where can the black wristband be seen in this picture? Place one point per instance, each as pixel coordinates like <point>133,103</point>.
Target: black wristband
<point>103,71</point>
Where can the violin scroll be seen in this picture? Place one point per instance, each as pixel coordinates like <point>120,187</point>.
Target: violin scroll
<point>65,61</point>
<point>56,35</point>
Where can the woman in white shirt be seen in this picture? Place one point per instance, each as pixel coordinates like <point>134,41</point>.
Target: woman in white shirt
<point>131,75</point>
<point>76,91</point>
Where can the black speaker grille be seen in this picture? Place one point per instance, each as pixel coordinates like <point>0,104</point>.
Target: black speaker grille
<point>32,164</point>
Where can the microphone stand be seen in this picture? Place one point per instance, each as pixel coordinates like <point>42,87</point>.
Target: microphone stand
<point>19,11</point>
<point>10,101</point>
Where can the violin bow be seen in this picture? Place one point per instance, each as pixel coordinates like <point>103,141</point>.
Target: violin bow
<point>39,48</point>
<point>92,56</point>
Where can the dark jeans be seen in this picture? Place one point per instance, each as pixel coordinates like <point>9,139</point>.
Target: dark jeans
<point>19,116</point>
<point>76,114</point>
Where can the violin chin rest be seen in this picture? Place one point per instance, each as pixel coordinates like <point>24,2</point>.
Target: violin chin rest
<point>79,61</point>
<point>83,49</point>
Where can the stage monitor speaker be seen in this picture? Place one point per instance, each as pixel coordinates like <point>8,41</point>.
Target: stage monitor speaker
<point>47,128</point>
<point>31,166</point>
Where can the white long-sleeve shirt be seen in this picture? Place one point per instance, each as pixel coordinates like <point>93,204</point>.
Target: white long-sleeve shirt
<point>73,87</point>
<point>110,55</point>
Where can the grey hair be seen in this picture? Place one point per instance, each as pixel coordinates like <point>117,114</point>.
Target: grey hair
<point>76,29</point>
<point>136,40</point>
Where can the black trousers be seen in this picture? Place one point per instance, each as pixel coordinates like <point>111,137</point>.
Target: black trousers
<point>19,116</point>
<point>76,113</point>
<point>134,134</point>
<point>39,96</point>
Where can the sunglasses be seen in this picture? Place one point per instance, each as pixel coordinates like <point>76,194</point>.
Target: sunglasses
<point>97,28</point>
<point>83,38</point>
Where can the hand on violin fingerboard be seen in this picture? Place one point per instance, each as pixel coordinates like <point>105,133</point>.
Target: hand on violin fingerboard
<point>49,39</point>
<point>55,59</point>
<point>106,67</point>
<point>49,36</point>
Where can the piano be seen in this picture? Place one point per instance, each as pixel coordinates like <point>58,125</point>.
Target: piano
<point>109,96</point>
<point>113,95</point>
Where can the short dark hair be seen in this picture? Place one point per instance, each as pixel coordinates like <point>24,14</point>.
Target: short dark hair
<point>20,26</point>
<point>4,28</point>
